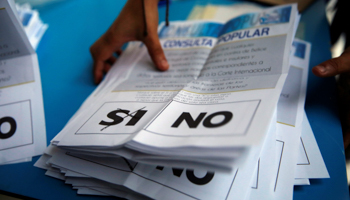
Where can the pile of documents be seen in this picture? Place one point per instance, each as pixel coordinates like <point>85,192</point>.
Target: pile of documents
<point>226,121</point>
<point>22,121</point>
<point>32,24</point>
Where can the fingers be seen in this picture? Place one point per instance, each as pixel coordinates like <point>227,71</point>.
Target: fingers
<point>98,71</point>
<point>111,60</point>
<point>334,66</point>
<point>156,52</point>
<point>129,26</point>
<point>101,68</point>
<point>102,53</point>
<point>152,40</point>
<point>119,52</point>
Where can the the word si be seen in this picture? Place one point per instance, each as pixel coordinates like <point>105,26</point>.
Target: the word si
<point>135,117</point>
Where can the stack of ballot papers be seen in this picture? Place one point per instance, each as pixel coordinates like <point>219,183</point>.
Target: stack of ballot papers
<point>32,24</point>
<point>226,121</point>
<point>22,121</point>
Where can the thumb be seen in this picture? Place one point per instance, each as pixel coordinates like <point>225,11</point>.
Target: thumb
<point>156,52</point>
<point>334,66</point>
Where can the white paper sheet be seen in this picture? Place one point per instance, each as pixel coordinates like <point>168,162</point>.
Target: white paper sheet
<point>217,105</point>
<point>22,122</point>
<point>310,162</point>
<point>272,179</point>
<point>301,181</point>
<point>33,26</point>
<point>290,116</point>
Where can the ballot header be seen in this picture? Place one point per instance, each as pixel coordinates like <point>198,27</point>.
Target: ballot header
<point>186,30</point>
<point>215,29</point>
<point>275,16</point>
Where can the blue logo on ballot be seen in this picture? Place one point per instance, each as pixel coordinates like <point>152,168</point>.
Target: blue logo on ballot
<point>280,15</point>
<point>186,30</point>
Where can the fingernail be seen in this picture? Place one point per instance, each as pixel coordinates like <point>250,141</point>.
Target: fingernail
<point>164,65</point>
<point>97,81</point>
<point>326,70</point>
<point>329,69</point>
<point>321,69</point>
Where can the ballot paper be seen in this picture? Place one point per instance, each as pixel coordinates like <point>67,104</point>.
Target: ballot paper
<point>310,163</point>
<point>32,24</point>
<point>275,179</point>
<point>223,13</point>
<point>266,176</point>
<point>216,101</point>
<point>22,122</point>
<point>88,173</point>
<point>266,172</point>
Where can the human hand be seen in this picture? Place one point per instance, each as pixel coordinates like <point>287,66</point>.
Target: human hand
<point>334,66</point>
<point>129,26</point>
<point>341,66</point>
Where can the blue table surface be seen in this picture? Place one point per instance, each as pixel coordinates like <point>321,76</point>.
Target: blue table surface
<point>66,73</point>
